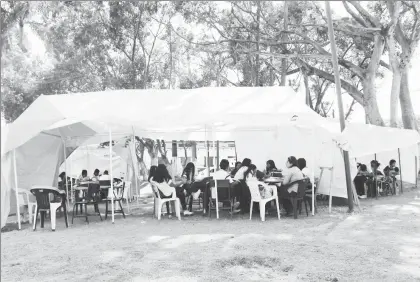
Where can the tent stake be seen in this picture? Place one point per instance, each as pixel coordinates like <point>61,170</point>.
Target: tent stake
<point>339,102</point>
<point>16,190</point>
<point>110,174</point>
<point>401,179</point>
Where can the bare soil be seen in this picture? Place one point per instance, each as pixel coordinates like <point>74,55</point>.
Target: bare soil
<point>379,243</point>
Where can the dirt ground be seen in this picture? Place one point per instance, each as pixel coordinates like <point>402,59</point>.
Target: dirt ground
<point>380,243</point>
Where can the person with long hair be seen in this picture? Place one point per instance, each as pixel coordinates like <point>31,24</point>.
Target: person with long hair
<point>191,187</point>
<point>236,168</point>
<point>360,180</point>
<point>289,186</point>
<point>241,189</point>
<point>162,179</point>
<point>269,168</point>
<point>374,177</point>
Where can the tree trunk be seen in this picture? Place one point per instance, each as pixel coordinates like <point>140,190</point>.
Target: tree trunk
<point>284,38</point>
<point>370,103</point>
<point>257,56</point>
<point>395,93</point>
<point>407,111</point>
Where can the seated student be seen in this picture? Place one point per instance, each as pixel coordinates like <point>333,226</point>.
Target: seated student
<point>105,176</point>
<point>360,180</point>
<point>223,172</point>
<point>95,177</point>
<point>241,190</point>
<point>269,168</point>
<point>265,190</point>
<point>167,187</point>
<point>373,178</point>
<point>392,170</point>
<point>292,175</point>
<point>83,177</point>
<point>236,168</point>
<point>192,188</point>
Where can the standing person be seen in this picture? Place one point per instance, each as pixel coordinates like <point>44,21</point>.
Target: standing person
<point>289,186</point>
<point>167,187</point>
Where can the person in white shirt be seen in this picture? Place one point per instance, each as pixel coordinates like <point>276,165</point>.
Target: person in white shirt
<point>240,174</point>
<point>105,176</point>
<point>292,175</point>
<point>223,172</point>
<point>167,187</point>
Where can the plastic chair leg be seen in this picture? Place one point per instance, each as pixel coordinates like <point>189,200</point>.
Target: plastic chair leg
<point>122,211</point>
<point>262,211</point>
<point>217,208</point>
<point>106,209</point>
<point>30,212</point>
<point>35,217</point>
<point>178,208</point>
<point>278,209</point>
<point>294,201</point>
<point>43,214</point>
<point>306,209</point>
<point>250,210</point>
<point>159,214</point>
<point>53,215</point>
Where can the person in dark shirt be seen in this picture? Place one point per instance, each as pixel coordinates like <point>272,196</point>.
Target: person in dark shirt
<point>360,180</point>
<point>373,178</point>
<point>391,172</point>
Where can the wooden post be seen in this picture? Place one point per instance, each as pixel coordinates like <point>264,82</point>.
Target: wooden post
<point>399,163</point>
<point>340,103</point>
<point>65,172</point>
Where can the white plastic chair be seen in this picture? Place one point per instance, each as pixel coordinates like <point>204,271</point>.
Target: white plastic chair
<point>256,197</point>
<point>43,198</point>
<point>159,202</point>
<point>25,200</point>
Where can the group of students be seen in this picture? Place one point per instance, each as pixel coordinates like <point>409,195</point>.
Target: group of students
<point>371,180</point>
<point>187,187</point>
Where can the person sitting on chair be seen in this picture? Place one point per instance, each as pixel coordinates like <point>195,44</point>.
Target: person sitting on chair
<point>95,177</point>
<point>373,178</point>
<point>289,187</point>
<point>167,187</point>
<point>83,177</point>
<point>360,180</point>
<point>269,168</point>
<point>236,168</point>
<point>241,190</point>
<point>105,176</point>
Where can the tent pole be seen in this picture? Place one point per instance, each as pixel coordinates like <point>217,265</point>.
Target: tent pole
<point>134,167</point>
<point>65,172</point>
<point>217,154</point>
<point>71,178</point>
<point>111,175</point>
<point>330,197</point>
<point>399,163</point>
<point>313,173</point>
<point>16,190</point>
<point>215,151</point>
<point>208,152</point>
<point>340,103</point>
<point>416,171</point>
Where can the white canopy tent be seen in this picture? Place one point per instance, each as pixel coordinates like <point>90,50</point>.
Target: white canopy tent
<point>55,122</point>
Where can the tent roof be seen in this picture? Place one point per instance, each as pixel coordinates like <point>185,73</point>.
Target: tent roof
<point>154,110</point>
<point>362,139</point>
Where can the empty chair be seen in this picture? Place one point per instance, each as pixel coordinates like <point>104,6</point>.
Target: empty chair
<point>256,197</point>
<point>221,191</point>
<point>44,204</point>
<point>91,197</point>
<point>118,194</point>
<point>25,200</point>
